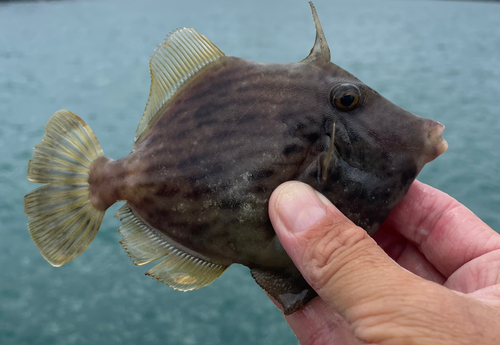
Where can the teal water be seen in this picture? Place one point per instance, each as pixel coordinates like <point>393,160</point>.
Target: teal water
<point>436,59</point>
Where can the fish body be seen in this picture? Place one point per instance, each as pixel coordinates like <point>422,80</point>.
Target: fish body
<point>219,134</point>
<point>205,171</point>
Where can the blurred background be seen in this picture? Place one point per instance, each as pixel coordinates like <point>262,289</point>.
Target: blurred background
<point>437,59</point>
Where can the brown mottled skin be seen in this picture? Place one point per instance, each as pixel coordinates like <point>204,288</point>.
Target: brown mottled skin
<point>204,172</point>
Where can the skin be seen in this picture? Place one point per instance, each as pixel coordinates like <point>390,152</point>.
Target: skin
<point>203,173</point>
<point>200,174</point>
<point>429,275</point>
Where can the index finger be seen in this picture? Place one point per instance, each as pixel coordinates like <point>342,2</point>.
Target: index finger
<point>445,231</point>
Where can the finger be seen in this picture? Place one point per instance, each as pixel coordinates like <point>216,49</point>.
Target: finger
<point>407,255</point>
<point>445,231</point>
<point>317,323</point>
<point>489,295</point>
<point>381,301</point>
<point>476,274</point>
<point>338,259</point>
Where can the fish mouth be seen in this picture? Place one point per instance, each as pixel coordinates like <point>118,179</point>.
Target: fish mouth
<point>435,144</point>
<point>442,147</point>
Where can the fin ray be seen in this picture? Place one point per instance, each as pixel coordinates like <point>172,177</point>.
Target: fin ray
<point>62,221</point>
<point>179,270</point>
<point>184,53</point>
<point>59,158</point>
<point>141,243</point>
<point>184,272</point>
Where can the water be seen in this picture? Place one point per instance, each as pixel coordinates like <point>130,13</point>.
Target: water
<point>437,59</point>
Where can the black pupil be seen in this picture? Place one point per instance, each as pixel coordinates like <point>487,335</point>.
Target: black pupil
<point>347,100</point>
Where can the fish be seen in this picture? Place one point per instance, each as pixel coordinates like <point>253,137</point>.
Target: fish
<point>218,135</point>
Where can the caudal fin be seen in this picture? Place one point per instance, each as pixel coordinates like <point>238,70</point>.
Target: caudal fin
<point>62,221</point>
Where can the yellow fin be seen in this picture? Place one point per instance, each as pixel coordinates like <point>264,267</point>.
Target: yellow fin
<point>182,55</point>
<point>180,270</point>
<point>142,243</point>
<point>66,151</point>
<point>62,221</point>
<point>184,272</point>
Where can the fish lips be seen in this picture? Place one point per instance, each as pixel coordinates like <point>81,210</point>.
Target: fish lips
<point>435,144</point>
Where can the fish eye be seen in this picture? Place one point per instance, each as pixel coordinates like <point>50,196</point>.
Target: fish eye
<point>345,97</point>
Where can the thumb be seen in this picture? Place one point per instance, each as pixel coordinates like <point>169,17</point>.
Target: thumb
<point>340,261</point>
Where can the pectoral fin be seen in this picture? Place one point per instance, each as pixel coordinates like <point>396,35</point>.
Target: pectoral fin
<point>290,290</point>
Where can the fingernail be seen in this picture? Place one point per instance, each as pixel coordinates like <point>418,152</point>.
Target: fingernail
<point>299,207</point>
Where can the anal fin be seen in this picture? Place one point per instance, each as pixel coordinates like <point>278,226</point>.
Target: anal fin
<point>179,270</point>
<point>184,272</point>
<point>290,290</point>
<point>142,243</point>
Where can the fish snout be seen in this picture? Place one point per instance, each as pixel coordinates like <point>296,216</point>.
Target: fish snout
<point>435,145</point>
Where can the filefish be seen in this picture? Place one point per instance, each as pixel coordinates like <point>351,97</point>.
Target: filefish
<point>218,135</point>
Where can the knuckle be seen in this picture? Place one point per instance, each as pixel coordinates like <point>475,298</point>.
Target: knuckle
<point>331,248</point>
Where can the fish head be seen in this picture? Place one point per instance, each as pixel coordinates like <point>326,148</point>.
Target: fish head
<point>373,134</point>
<point>371,150</point>
<point>367,130</point>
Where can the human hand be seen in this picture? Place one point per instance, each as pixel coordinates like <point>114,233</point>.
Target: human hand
<point>433,278</point>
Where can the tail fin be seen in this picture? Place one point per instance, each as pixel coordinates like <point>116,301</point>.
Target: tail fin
<point>62,221</point>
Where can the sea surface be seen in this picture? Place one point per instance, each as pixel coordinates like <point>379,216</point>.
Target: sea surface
<point>437,59</point>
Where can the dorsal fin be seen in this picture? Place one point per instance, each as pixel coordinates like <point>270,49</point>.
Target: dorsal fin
<point>184,53</point>
<point>320,53</point>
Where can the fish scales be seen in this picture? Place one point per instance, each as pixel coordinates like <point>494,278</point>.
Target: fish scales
<point>218,135</point>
